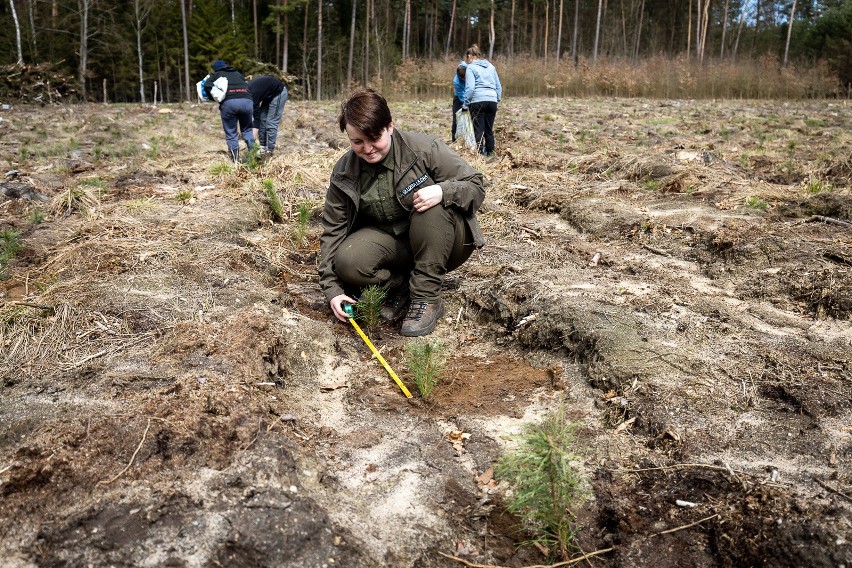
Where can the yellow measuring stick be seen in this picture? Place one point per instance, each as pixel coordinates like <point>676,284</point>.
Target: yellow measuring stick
<point>380,358</point>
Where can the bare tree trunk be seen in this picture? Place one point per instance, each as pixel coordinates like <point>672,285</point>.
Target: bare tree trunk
<point>406,29</point>
<point>756,26</point>
<point>789,32</point>
<point>278,30</point>
<point>367,42</point>
<point>140,13</point>
<point>534,31</point>
<point>689,32</point>
<point>639,29</point>
<point>433,37</point>
<point>559,33</point>
<point>305,44</point>
<point>705,23</point>
<point>574,55</point>
<point>452,25</point>
<point>84,45</point>
<point>698,30</point>
<point>546,26</point>
<point>17,33</point>
<point>491,35</point>
<point>319,50</point>
<point>30,4</point>
<point>351,47</point>
<point>285,58</point>
<point>433,43</point>
<point>701,28</point>
<point>511,32</point>
<point>185,50</point>
<point>254,22</point>
<point>740,29</point>
<point>724,30</point>
<point>233,19</point>
<point>597,33</point>
<point>378,42</point>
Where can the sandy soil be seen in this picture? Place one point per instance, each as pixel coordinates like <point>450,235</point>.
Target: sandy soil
<point>675,275</point>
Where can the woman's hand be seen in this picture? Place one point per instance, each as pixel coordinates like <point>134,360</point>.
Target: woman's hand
<point>336,304</point>
<point>427,197</point>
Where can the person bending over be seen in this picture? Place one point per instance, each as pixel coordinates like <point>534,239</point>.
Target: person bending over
<point>269,95</point>
<point>236,108</point>
<point>400,212</point>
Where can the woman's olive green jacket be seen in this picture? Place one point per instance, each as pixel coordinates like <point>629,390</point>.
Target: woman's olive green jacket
<point>420,160</point>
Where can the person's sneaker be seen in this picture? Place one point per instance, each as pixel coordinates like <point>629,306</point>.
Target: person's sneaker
<point>422,317</point>
<point>395,303</point>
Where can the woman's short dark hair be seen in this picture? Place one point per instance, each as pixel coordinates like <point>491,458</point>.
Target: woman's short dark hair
<point>367,111</point>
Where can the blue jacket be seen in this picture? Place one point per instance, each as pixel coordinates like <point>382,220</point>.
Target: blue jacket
<point>458,84</point>
<point>481,83</point>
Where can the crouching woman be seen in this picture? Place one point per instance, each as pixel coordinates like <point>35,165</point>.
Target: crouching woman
<point>400,212</point>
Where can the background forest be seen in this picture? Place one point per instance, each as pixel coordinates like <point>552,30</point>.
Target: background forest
<point>135,50</point>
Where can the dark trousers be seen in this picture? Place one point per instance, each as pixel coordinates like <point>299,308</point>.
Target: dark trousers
<point>457,104</point>
<point>482,115</point>
<point>236,112</point>
<point>437,242</point>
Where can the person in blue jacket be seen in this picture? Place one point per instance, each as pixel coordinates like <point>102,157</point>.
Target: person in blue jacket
<point>482,92</point>
<point>269,96</point>
<point>458,94</point>
<point>236,108</point>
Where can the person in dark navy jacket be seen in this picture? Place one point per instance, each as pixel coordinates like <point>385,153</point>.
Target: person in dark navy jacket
<point>235,109</point>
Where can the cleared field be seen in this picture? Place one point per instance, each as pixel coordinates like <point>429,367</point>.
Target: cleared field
<point>675,275</point>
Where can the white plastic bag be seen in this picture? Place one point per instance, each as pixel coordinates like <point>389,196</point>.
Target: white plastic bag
<point>220,89</point>
<point>199,87</point>
<point>464,129</point>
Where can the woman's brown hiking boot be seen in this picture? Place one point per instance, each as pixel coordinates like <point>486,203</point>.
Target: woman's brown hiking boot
<point>422,317</point>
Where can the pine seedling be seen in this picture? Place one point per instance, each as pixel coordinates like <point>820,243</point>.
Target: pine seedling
<point>273,199</point>
<point>543,472</point>
<point>252,161</point>
<point>36,216</point>
<point>426,360</point>
<point>755,202</point>
<point>10,246</point>
<point>368,309</point>
<point>303,217</point>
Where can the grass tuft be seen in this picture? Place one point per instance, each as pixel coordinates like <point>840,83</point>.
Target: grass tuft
<point>817,186</point>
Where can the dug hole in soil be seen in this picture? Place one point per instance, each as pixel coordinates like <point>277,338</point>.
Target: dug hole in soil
<point>676,276</point>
